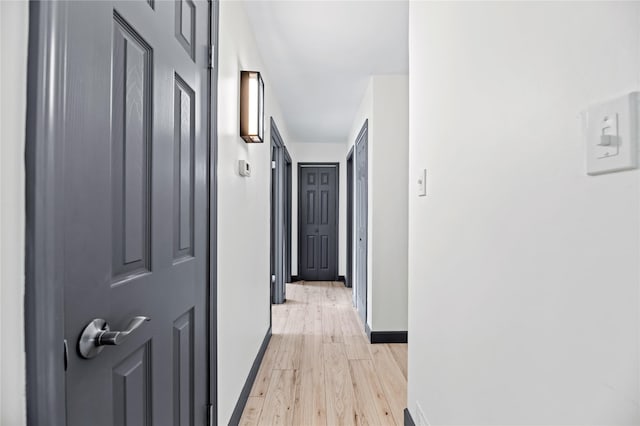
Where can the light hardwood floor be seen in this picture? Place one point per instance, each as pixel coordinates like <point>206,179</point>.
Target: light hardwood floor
<point>319,368</point>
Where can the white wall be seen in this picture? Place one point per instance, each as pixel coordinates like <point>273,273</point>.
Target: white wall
<point>388,180</point>
<point>303,152</point>
<point>14,26</point>
<point>243,214</point>
<point>523,271</point>
<point>386,106</point>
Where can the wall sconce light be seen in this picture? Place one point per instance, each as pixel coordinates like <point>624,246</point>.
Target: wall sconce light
<point>251,107</point>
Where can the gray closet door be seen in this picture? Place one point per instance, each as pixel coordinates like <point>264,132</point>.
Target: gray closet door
<point>134,203</point>
<point>318,224</point>
<point>362,208</point>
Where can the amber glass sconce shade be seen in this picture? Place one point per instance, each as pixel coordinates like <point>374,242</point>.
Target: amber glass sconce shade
<point>251,107</point>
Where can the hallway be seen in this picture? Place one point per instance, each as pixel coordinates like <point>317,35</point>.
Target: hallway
<point>319,368</point>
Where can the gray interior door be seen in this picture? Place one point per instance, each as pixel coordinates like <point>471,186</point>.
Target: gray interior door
<point>362,208</point>
<point>288,187</point>
<point>278,219</point>
<point>350,236</point>
<point>318,222</point>
<point>134,203</point>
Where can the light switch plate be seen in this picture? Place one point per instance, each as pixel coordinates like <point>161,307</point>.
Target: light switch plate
<point>422,183</point>
<point>612,135</point>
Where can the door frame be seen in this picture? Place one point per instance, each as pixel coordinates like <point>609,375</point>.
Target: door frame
<point>278,287</point>
<point>45,346</point>
<point>337,239</point>
<point>350,210</point>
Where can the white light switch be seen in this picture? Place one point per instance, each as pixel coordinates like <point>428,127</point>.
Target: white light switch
<point>612,135</point>
<point>422,183</point>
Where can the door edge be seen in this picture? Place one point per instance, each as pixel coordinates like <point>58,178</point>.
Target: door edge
<point>214,26</point>
<point>44,286</point>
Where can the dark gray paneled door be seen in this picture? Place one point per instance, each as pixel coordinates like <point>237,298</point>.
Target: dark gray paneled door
<point>135,210</point>
<point>288,187</point>
<point>318,222</point>
<point>362,209</point>
<point>350,235</point>
<point>278,217</point>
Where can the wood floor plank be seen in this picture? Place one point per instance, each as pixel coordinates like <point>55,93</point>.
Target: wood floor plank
<point>399,352</point>
<point>349,322</point>
<point>280,314</point>
<point>278,404</point>
<point>393,382</point>
<point>310,404</point>
<point>339,388</point>
<point>313,320</point>
<point>357,347</point>
<point>332,331</point>
<point>372,407</point>
<point>288,357</point>
<point>295,320</point>
<point>251,413</point>
<point>261,384</point>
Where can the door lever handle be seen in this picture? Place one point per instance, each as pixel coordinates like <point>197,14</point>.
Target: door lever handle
<point>97,334</point>
<point>113,338</point>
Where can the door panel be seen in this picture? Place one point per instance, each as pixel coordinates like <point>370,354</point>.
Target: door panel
<point>130,142</point>
<point>135,207</point>
<point>319,224</point>
<point>132,387</point>
<point>183,374</point>
<point>362,208</point>
<point>184,173</point>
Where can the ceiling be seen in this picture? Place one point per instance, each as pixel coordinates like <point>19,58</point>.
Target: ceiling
<point>319,54</point>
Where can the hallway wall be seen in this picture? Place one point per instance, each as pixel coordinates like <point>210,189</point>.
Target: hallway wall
<point>304,152</point>
<point>14,28</point>
<point>386,105</point>
<point>523,271</point>
<point>243,213</point>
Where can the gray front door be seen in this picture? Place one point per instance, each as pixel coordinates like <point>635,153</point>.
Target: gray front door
<point>362,208</point>
<point>318,222</point>
<point>134,208</point>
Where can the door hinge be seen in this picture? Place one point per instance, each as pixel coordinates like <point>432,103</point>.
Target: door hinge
<point>211,56</point>
<point>273,165</point>
<point>66,355</point>
<point>210,415</point>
